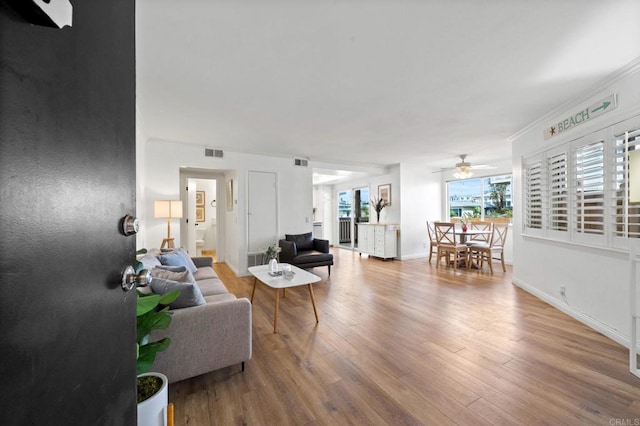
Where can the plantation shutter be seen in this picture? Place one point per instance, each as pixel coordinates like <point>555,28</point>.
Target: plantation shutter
<point>589,182</point>
<point>557,210</point>
<point>533,195</point>
<point>626,217</point>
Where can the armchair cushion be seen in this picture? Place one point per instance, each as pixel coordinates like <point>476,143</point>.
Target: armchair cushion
<point>302,241</point>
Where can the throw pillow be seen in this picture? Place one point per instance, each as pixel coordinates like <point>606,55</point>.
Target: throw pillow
<point>149,261</point>
<point>190,294</point>
<point>173,273</point>
<point>178,257</point>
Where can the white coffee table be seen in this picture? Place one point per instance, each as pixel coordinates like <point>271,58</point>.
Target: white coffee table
<point>300,277</point>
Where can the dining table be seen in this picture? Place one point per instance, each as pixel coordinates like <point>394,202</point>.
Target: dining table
<point>462,235</point>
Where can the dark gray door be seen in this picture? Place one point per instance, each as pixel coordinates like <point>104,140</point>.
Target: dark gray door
<point>67,176</point>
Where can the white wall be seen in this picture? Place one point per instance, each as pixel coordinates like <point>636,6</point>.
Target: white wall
<point>421,194</point>
<point>162,177</point>
<point>596,279</point>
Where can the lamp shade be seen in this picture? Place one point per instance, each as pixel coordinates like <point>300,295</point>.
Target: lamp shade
<point>167,209</point>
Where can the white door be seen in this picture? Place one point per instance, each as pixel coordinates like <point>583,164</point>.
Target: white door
<point>262,211</point>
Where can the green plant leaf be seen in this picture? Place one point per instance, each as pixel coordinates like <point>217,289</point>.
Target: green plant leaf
<point>148,352</point>
<point>146,303</point>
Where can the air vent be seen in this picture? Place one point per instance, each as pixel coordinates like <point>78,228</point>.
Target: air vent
<point>300,162</point>
<point>208,152</point>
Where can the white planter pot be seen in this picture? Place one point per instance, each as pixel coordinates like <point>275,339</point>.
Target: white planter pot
<point>153,411</point>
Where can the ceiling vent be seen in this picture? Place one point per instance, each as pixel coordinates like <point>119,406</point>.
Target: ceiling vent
<point>208,152</point>
<point>300,162</point>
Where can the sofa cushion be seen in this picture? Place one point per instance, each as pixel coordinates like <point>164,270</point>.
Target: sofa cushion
<point>312,257</point>
<point>178,257</point>
<point>190,294</point>
<point>174,273</point>
<point>211,286</point>
<point>205,272</point>
<point>302,241</point>
<point>215,298</point>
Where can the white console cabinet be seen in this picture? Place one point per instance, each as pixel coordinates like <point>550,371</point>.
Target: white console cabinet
<point>378,239</point>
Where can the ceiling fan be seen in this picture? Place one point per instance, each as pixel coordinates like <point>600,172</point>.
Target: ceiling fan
<point>464,169</point>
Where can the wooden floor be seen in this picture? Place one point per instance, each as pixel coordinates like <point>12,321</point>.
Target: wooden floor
<point>401,342</point>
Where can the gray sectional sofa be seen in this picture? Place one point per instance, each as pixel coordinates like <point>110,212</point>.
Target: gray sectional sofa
<point>207,336</point>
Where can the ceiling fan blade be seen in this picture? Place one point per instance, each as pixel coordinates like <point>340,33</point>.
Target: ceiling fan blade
<point>481,167</point>
<point>450,169</point>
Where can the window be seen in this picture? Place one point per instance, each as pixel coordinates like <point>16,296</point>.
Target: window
<point>627,216</point>
<point>344,204</point>
<point>533,190</point>
<point>481,198</point>
<point>558,187</point>
<point>582,186</point>
<point>589,179</point>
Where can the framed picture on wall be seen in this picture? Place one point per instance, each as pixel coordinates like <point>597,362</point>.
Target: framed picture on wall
<point>384,192</point>
<point>200,214</point>
<point>230,195</point>
<point>199,198</point>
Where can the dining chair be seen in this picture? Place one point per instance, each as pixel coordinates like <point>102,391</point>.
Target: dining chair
<point>489,251</point>
<point>433,241</point>
<point>448,245</point>
<point>480,238</point>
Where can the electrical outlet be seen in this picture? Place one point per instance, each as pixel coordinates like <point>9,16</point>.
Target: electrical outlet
<point>562,290</point>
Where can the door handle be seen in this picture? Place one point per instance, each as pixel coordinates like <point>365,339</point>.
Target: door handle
<point>131,279</point>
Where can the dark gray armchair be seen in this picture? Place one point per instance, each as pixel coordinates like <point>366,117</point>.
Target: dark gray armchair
<point>304,251</point>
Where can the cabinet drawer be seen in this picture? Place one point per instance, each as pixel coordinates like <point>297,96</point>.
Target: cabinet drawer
<point>379,230</point>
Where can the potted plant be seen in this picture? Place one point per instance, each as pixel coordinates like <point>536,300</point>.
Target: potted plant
<point>152,313</point>
<point>379,204</point>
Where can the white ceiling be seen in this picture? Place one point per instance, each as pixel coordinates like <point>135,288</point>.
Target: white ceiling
<point>371,82</point>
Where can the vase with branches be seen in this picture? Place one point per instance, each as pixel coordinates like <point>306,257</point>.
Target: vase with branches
<point>378,204</point>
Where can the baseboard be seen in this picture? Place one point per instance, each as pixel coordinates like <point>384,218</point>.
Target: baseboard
<point>415,256</point>
<point>598,326</point>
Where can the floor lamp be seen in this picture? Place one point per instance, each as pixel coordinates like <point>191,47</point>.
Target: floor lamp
<point>167,209</point>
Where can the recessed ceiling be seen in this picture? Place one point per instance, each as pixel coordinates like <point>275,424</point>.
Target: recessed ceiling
<point>377,82</point>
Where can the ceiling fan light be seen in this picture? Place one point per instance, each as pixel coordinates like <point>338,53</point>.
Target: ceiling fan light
<point>463,172</point>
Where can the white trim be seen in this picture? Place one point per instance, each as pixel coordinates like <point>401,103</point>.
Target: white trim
<point>599,326</point>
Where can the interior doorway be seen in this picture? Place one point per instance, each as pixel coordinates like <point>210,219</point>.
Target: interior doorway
<point>202,228</point>
<point>353,209</point>
<point>202,217</point>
